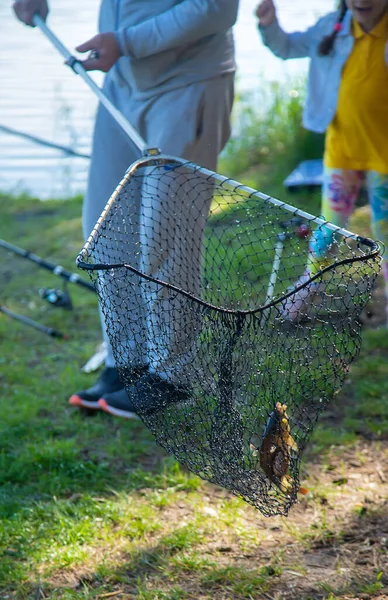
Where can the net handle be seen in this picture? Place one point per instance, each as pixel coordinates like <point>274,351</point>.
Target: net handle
<point>77,67</point>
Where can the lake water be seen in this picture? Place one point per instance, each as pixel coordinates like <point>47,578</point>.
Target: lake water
<point>41,97</point>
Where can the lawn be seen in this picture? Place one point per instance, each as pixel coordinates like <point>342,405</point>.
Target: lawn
<point>91,507</point>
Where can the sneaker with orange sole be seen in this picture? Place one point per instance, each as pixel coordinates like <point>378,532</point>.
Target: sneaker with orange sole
<point>107,383</point>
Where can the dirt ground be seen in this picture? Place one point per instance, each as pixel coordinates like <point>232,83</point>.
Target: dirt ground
<point>333,546</point>
<point>353,546</point>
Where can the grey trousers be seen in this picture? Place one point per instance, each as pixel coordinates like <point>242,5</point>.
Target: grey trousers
<point>192,123</point>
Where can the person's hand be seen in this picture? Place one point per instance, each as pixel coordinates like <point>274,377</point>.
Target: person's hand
<point>266,13</point>
<point>26,9</point>
<point>104,52</point>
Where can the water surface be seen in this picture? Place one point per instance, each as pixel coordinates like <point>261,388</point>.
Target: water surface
<point>42,97</point>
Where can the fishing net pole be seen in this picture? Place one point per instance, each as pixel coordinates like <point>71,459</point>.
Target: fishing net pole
<point>195,276</point>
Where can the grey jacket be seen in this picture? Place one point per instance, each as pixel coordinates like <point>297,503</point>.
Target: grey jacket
<point>170,43</point>
<point>325,72</point>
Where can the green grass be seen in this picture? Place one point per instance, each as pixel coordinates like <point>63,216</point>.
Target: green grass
<point>364,398</point>
<point>90,507</point>
<point>87,494</point>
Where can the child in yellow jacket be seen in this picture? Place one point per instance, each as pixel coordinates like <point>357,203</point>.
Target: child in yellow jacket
<point>347,98</point>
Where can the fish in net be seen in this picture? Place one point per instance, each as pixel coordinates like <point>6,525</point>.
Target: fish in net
<point>195,275</point>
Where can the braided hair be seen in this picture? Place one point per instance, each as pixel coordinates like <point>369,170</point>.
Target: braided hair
<point>327,43</point>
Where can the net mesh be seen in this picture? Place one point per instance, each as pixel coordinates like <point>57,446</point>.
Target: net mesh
<point>225,358</point>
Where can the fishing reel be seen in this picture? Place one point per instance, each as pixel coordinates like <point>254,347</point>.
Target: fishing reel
<point>58,298</point>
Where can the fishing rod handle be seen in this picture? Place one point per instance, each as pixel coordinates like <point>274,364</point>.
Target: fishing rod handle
<point>27,321</point>
<point>77,67</point>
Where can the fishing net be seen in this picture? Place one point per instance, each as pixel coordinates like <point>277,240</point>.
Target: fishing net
<point>226,360</point>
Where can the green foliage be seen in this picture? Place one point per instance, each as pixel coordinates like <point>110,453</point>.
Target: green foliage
<point>268,131</point>
<point>374,587</point>
<point>269,141</point>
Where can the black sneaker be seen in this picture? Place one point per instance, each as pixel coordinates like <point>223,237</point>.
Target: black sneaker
<point>148,394</point>
<point>107,382</point>
<point>118,404</point>
<point>151,393</point>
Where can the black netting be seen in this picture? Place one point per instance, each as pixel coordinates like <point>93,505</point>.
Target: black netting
<point>196,278</point>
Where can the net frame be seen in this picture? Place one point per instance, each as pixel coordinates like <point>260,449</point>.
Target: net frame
<point>274,486</point>
<point>155,157</point>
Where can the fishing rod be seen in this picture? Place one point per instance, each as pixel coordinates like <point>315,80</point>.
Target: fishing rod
<point>45,264</point>
<point>42,142</point>
<point>27,321</point>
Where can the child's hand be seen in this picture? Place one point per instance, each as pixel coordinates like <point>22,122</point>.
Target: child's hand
<point>266,13</point>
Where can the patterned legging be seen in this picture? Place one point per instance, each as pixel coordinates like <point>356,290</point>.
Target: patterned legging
<point>341,188</point>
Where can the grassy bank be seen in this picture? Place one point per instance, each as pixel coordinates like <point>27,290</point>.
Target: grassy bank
<point>90,507</point>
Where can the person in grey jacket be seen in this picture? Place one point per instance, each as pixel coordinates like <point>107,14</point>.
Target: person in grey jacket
<point>170,70</point>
